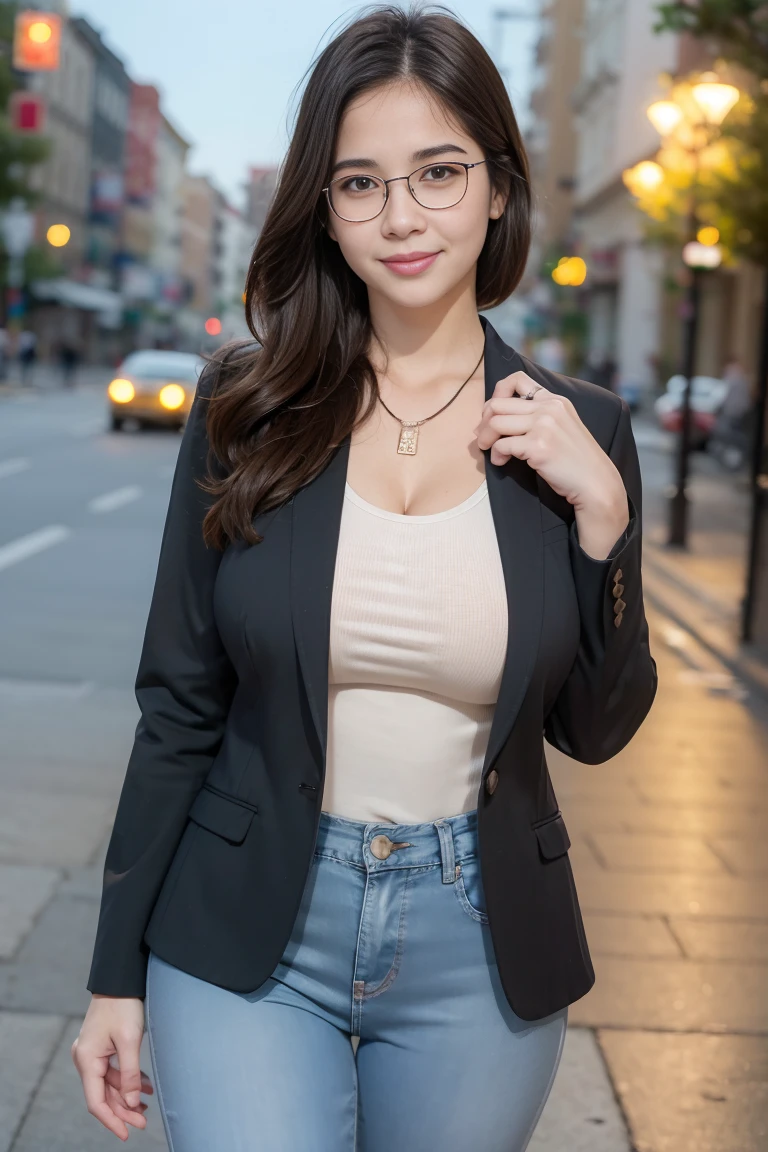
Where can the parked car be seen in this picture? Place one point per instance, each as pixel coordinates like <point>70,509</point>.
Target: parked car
<point>707,396</point>
<point>154,387</point>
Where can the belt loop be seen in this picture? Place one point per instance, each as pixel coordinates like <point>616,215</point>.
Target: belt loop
<point>445,832</point>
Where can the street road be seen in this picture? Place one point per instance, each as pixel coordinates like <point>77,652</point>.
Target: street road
<point>667,1054</point>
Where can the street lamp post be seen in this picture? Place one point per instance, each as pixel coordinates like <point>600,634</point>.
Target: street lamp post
<point>690,124</point>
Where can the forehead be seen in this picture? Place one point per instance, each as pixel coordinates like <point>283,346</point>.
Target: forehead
<point>398,118</point>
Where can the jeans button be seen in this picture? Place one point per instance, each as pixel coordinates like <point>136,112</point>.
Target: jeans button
<point>381,846</point>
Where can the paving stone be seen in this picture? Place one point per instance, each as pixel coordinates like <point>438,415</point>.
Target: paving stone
<point>38,828</point>
<point>690,1093</point>
<point>581,1114</point>
<point>677,895</point>
<point>675,995</point>
<point>640,853</point>
<point>50,970</point>
<point>745,857</point>
<point>722,939</point>
<point>662,820</point>
<point>707,793</point>
<point>59,1122</point>
<point>26,1043</point>
<point>630,936</point>
<point>24,892</point>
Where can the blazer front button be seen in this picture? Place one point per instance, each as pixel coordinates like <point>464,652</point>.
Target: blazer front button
<point>491,781</point>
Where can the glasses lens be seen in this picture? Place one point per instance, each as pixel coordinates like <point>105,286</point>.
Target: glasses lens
<point>439,185</point>
<point>357,197</point>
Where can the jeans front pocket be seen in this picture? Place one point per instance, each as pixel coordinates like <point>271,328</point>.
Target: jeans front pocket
<point>468,887</point>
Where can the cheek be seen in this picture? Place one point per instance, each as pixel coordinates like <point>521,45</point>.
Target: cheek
<point>356,246</point>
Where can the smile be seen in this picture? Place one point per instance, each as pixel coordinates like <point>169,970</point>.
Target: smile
<point>411,263</point>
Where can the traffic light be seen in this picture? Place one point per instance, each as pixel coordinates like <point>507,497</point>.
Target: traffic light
<point>37,41</point>
<point>27,112</point>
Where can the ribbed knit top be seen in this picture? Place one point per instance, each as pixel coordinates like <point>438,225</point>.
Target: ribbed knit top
<point>417,647</point>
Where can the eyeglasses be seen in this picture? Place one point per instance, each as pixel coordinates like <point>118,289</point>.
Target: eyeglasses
<point>362,197</point>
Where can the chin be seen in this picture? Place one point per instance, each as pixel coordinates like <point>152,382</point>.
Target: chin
<point>413,294</point>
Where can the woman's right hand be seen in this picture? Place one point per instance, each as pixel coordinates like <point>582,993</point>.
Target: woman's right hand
<point>113,1026</point>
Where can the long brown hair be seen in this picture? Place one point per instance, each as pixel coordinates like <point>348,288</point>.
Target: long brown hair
<point>281,408</point>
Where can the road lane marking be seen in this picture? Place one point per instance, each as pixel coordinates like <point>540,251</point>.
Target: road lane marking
<point>112,500</point>
<point>32,544</point>
<point>11,467</point>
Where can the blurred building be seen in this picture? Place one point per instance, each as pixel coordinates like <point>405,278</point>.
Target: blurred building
<point>165,256</point>
<point>236,247</point>
<point>620,65</point>
<point>201,228</point>
<point>109,126</point>
<point>551,140</point>
<point>259,190</point>
<point>63,180</point>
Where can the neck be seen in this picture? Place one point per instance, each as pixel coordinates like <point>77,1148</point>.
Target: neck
<point>414,346</point>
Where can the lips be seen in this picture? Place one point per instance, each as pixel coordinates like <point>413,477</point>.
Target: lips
<point>410,263</point>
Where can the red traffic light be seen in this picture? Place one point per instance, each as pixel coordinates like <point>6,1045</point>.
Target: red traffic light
<point>37,41</point>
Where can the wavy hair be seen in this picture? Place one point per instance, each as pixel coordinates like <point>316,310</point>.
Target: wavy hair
<point>281,407</point>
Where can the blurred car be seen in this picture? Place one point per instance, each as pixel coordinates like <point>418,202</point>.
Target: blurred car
<point>707,396</point>
<point>154,387</point>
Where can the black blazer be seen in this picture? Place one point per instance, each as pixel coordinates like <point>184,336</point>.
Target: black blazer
<point>215,829</point>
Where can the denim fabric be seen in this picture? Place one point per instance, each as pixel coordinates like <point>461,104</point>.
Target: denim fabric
<point>396,952</point>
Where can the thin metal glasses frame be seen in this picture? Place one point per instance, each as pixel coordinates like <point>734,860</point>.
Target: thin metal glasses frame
<point>393,179</point>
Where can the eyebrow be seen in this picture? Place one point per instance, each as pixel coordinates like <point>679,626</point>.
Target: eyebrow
<point>422,154</point>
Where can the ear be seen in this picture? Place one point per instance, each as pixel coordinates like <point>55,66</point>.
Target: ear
<point>498,203</point>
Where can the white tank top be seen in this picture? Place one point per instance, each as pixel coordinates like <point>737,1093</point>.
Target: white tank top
<point>417,647</point>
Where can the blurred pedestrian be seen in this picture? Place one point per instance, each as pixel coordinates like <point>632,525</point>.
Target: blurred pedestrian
<point>69,358</point>
<point>738,399</point>
<point>26,350</point>
<point>4,348</point>
<point>337,819</point>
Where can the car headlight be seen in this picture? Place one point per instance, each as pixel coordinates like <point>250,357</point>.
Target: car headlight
<point>172,396</point>
<point>121,391</point>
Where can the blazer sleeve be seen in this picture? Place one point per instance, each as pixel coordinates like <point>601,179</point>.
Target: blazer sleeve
<point>613,680</point>
<point>184,687</point>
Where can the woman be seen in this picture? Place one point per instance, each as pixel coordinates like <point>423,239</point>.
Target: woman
<point>337,822</point>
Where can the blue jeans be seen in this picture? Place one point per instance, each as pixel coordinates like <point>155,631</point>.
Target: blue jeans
<point>391,945</point>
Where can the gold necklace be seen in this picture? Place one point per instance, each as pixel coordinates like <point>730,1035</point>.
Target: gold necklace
<point>409,429</point>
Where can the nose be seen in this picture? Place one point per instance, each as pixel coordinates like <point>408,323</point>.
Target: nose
<point>402,215</point>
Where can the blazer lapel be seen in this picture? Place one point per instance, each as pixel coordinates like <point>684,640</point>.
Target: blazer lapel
<point>516,510</point>
<point>314,540</point>
<point>515,507</point>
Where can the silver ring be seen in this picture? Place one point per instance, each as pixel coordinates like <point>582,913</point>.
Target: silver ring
<point>530,395</point>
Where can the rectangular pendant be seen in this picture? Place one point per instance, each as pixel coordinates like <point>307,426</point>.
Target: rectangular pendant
<point>409,438</point>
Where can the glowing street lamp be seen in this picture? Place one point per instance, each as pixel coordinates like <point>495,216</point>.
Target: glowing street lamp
<point>688,127</point>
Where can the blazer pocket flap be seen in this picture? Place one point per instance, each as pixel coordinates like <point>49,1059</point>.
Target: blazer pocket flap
<point>553,838</point>
<point>227,818</point>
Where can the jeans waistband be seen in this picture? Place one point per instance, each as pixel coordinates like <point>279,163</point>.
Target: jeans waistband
<point>448,841</point>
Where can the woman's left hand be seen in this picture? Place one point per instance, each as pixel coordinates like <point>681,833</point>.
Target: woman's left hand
<point>549,435</point>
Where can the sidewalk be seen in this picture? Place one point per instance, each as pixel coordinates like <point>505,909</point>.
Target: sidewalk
<point>47,378</point>
<point>700,588</point>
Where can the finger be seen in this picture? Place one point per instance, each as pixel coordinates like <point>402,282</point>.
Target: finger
<point>130,1074</point>
<point>519,384</point>
<point>506,446</point>
<point>491,429</point>
<point>133,1116</point>
<point>113,1079</point>
<point>94,1088</point>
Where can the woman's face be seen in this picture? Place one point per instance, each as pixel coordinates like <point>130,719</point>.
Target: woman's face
<point>390,132</point>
